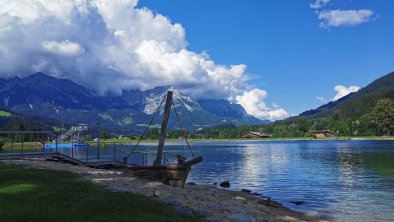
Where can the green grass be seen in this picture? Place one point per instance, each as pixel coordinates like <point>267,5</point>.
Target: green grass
<point>27,146</point>
<point>49,195</point>
<point>4,114</point>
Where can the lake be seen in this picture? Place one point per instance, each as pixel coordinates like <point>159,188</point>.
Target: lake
<point>346,180</point>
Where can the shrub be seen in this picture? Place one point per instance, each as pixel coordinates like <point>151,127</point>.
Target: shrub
<point>1,143</point>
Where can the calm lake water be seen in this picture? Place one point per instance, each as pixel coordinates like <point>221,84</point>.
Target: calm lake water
<point>346,180</point>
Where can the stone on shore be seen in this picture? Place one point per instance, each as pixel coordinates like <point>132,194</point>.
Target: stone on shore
<point>225,184</point>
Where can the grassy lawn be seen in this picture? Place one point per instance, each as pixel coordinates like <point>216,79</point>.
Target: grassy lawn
<point>4,114</point>
<point>48,195</point>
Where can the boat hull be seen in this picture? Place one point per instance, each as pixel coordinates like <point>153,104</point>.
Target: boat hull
<point>174,175</point>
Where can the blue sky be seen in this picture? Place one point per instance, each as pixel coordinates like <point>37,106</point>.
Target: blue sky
<point>275,58</point>
<point>286,51</point>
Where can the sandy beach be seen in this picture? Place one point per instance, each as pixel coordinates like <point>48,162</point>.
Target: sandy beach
<point>209,202</point>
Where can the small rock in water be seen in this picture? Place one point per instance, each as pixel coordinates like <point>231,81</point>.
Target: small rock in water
<point>298,202</point>
<point>246,191</point>
<point>225,184</point>
<point>256,194</point>
<point>191,183</point>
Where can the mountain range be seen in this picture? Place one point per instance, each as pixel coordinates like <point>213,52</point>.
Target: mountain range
<point>356,104</point>
<point>61,101</point>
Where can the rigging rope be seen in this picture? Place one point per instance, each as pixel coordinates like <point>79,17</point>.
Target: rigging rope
<point>150,123</point>
<point>183,133</point>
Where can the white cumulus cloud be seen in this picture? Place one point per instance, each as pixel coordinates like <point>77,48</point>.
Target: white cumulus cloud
<point>337,18</point>
<point>64,48</point>
<point>319,4</point>
<point>253,102</point>
<point>108,45</point>
<point>343,91</point>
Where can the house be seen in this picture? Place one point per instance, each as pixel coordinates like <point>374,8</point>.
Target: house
<point>322,134</point>
<point>255,135</point>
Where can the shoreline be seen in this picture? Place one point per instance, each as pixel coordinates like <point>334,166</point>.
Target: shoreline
<point>373,138</point>
<point>209,202</point>
<point>177,141</point>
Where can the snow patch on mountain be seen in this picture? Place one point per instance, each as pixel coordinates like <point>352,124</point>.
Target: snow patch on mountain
<point>152,102</point>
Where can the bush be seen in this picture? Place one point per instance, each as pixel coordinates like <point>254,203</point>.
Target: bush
<point>1,143</point>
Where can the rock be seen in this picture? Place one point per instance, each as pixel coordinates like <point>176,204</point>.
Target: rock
<point>156,193</point>
<point>298,202</point>
<point>256,194</point>
<point>273,204</point>
<point>191,183</point>
<point>241,218</point>
<point>270,203</point>
<point>184,211</point>
<point>225,184</point>
<point>239,198</point>
<point>173,202</point>
<point>246,191</point>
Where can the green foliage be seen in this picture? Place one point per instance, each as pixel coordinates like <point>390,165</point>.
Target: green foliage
<point>23,125</point>
<point>104,135</point>
<point>381,118</point>
<point>4,114</point>
<point>87,138</point>
<point>1,143</point>
<point>152,134</point>
<point>340,128</point>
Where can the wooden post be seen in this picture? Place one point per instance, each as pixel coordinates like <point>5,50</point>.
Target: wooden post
<point>166,115</point>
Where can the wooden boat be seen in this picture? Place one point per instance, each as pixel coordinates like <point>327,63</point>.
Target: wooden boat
<point>174,175</point>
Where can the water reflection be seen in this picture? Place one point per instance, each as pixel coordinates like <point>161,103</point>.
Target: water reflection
<point>351,180</point>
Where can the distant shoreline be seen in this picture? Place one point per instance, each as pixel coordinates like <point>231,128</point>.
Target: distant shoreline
<point>35,145</point>
<point>252,139</point>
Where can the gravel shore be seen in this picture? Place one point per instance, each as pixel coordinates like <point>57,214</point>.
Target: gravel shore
<point>209,202</point>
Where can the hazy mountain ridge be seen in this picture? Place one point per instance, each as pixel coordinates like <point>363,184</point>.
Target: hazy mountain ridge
<point>40,95</point>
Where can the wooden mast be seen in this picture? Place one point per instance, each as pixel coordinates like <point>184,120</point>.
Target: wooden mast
<point>166,115</point>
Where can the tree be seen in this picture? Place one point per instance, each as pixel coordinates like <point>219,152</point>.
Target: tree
<point>382,117</point>
<point>104,135</point>
<point>341,128</point>
<point>303,125</point>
